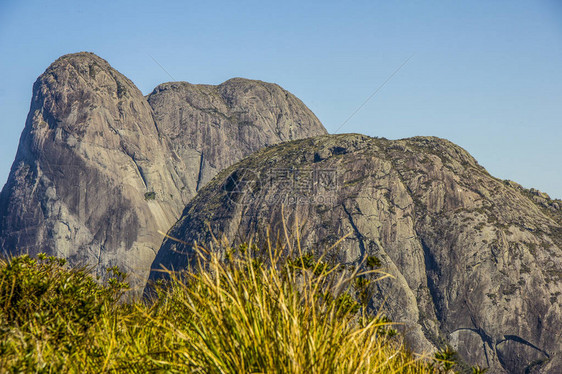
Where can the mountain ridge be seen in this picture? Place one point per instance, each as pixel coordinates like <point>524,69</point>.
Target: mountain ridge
<point>101,169</point>
<point>97,175</point>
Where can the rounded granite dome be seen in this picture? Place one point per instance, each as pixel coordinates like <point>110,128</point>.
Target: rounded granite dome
<point>475,261</point>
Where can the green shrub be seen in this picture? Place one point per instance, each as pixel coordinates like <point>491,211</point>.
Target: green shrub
<point>44,303</point>
<point>246,312</point>
<point>43,289</point>
<point>373,262</point>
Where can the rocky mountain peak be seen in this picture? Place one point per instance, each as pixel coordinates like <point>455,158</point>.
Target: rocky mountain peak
<point>211,127</point>
<point>99,171</point>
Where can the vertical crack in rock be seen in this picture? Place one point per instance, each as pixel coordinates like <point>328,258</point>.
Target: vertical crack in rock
<point>358,234</point>
<point>201,171</point>
<point>141,173</point>
<point>432,276</point>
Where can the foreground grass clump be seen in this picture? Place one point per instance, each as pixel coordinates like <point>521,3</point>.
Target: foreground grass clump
<point>247,312</point>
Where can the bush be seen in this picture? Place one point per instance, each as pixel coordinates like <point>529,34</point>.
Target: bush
<point>150,196</point>
<point>45,304</point>
<point>246,312</point>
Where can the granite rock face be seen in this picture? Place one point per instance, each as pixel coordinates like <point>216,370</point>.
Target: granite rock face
<point>211,127</point>
<point>89,153</point>
<point>97,176</point>
<point>477,261</point>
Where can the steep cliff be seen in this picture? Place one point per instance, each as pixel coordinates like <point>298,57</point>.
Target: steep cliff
<point>89,157</point>
<point>477,261</point>
<point>98,174</point>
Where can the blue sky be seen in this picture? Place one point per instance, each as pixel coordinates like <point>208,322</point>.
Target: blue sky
<point>486,75</point>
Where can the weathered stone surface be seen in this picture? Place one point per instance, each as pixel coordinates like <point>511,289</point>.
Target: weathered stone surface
<point>212,127</point>
<point>477,262</point>
<point>89,152</point>
<point>542,198</point>
<point>97,176</point>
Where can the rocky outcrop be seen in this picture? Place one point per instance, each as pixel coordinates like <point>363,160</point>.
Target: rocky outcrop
<point>99,173</point>
<point>477,261</point>
<point>88,160</point>
<point>211,127</point>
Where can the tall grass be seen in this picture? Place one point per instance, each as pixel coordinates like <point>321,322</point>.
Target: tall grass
<point>239,310</point>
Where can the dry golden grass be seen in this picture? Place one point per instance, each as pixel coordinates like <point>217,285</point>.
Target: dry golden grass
<point>240,310</point>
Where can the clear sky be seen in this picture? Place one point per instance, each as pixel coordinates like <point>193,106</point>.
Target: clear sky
<point>486,75</point>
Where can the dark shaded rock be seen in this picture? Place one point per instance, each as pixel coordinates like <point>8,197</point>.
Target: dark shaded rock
<point>477,262</point>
